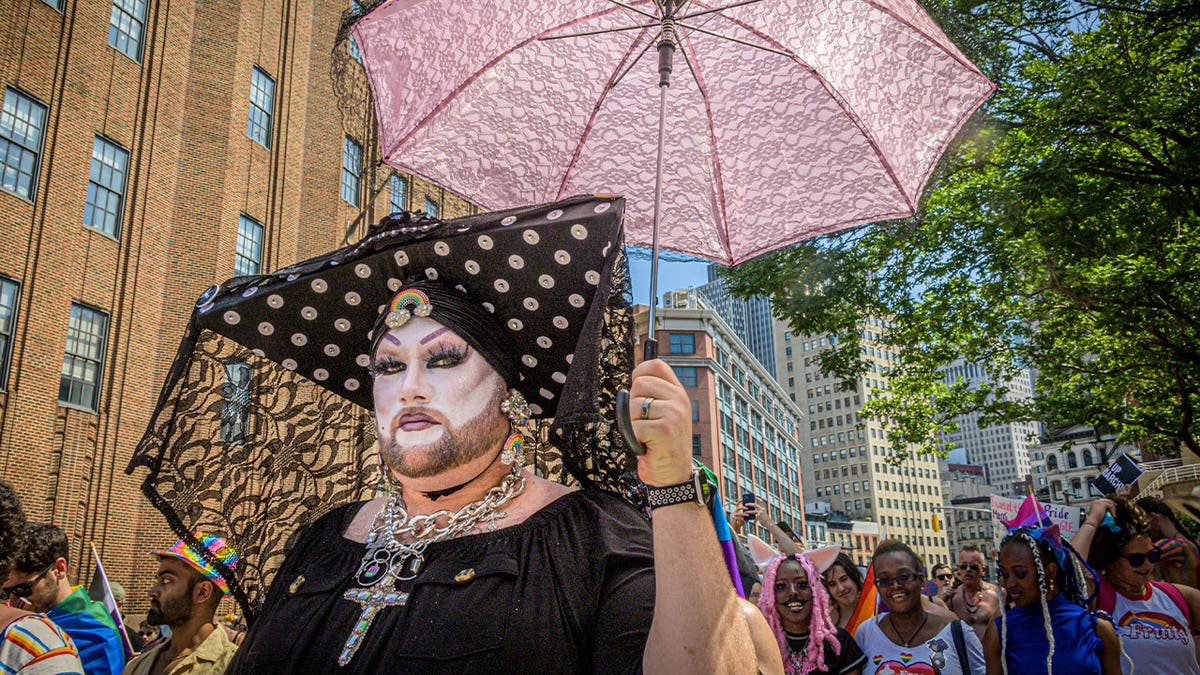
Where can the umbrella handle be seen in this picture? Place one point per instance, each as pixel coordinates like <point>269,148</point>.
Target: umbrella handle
<point>626,425</point>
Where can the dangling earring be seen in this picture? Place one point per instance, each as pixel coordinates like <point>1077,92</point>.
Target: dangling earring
<point>518,413</point>
<point>516,408</point>
<point>386,485</point>
<point>513,453</point>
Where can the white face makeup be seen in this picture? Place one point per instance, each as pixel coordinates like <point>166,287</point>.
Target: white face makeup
<point>437,401</point>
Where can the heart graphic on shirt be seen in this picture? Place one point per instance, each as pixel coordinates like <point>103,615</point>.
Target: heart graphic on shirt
<point>878,659</point>
<point>897,668</point>
<point>906,657</point>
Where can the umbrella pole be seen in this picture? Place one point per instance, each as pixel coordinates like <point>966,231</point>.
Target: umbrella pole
<point>666,52</point>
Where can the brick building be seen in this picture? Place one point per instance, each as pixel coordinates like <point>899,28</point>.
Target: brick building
<point>147,151</point>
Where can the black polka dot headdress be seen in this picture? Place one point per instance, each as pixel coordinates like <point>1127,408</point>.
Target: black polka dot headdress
<point>535,270</point>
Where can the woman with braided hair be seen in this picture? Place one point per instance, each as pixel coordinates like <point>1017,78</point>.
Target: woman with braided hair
<point>1049,629</point>
<point>797,608</point>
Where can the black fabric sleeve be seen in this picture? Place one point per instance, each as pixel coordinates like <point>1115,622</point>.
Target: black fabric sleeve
<point>626,600</point>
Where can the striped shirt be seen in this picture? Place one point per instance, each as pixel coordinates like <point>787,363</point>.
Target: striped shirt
<point>33,645</point>
<point>1180,562</point>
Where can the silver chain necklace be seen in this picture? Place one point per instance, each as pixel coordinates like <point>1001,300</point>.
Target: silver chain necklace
<point>388,559</point>
<point>387,554</point>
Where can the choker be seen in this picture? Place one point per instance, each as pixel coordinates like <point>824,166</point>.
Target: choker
<point>435,495</point>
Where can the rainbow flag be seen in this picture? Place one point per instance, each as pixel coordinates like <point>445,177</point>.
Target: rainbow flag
<point>868,600</point>
<point>721,523</point>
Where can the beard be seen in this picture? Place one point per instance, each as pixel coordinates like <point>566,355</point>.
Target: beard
<point>457,446</point>
<point>170,611</point>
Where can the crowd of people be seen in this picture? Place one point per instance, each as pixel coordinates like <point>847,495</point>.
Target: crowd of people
<point>1104,603</point>
<point>51,626</point>
<point>470,561</point>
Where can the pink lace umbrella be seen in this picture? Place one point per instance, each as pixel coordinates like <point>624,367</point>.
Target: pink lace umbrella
<point>788,118</point>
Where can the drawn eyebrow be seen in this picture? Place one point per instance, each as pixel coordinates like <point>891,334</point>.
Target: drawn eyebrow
<point>434,334</point>
<point>391,338</point>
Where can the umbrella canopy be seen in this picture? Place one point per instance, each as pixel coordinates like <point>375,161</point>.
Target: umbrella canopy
<point>762,149</point>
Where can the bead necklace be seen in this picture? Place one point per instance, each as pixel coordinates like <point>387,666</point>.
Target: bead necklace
<point>972,608</point>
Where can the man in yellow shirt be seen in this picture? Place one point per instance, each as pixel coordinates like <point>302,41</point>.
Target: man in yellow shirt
<point>185,597</point>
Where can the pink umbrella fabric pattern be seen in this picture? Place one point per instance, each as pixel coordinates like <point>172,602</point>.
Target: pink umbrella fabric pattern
<point>788,119</point>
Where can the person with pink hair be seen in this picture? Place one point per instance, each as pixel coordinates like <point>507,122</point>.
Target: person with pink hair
<point>798,612</point>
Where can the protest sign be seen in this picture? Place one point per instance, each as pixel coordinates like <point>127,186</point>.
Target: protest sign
<point>1122,473</point>
<point>1005,509</point>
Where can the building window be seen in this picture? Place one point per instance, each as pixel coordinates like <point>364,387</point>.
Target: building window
<point>683,343</point>
<point>235,409</point>
<point>21,122</point>
<point>355,52</point>
<point>686,375</point>
<point>10,292</point>
<point>351,171</point>
<point>248,257</point>
<point>399,193</point>
<point>262,107</point>
<point>431,208</point>
<point>695,445</point>
<point>695,411</point>
<point>83,361</point>
<point>106,188</point>
<point>125,27</point>
<point>56,4</point>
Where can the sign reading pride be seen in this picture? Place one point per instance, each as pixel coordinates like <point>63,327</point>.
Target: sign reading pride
<point>1005,508</point>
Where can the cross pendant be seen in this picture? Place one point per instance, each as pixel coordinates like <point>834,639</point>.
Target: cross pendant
<point>372,600</point>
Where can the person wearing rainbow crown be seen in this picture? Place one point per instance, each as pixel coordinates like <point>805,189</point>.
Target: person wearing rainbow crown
<point>185,596</point>
<point>510,532</point>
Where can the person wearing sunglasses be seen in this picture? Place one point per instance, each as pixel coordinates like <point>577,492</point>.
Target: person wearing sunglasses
<point>1156,620</point>
<point>30,643</point>
<point>909,637</point>
<point>40,577</point>
<point>976,601</point>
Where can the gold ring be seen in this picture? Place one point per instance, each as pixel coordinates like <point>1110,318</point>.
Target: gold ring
<point>646,407</point>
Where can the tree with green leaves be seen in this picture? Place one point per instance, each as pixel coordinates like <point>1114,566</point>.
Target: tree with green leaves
<point>1061,233</point>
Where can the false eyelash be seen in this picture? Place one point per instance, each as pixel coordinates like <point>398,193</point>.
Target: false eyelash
<point>447,352</point>
<point>383,366</point>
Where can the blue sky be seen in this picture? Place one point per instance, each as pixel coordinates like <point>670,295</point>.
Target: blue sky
<point>671,274</point>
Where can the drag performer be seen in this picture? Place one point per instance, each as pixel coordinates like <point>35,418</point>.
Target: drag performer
<point>476,343</point>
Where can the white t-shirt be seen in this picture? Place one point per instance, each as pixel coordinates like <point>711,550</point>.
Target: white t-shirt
<point>936,656</point>
<point>1155,634</point>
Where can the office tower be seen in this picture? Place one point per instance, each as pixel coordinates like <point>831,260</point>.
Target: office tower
<point>1002,449</point>
<point>751,320</point>
<point>745,427</point>
<point>847,459</point>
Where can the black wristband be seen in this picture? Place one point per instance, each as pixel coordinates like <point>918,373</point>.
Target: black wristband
<point>680,493</point>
